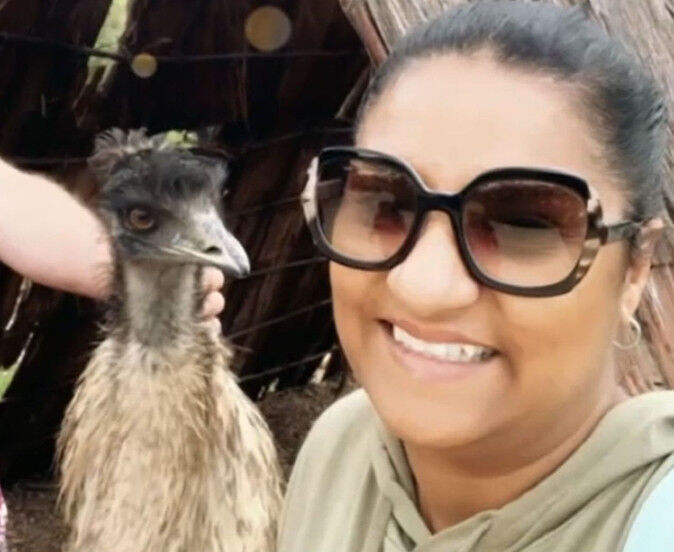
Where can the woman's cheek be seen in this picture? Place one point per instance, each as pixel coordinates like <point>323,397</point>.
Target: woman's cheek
<point>349,294</point>
<point>559,344</point>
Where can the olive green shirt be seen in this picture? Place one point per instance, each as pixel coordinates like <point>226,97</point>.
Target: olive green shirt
<point>351,489</point>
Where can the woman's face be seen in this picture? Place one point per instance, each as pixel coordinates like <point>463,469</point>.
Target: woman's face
<point>453,117</point>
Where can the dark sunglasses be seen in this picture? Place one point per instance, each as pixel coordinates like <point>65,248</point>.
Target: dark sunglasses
<point>521,231</point>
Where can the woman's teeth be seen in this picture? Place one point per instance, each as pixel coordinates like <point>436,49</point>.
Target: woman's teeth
<point>448,352</point>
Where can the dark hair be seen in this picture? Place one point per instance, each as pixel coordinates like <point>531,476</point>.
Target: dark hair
<point>623,99</point>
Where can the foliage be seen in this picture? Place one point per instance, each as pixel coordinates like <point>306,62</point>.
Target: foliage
<point>6,375</point>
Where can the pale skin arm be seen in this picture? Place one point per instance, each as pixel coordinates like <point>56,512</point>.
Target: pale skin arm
<point>52,239</point>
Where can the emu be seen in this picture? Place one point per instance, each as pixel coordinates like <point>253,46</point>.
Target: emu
<point>160,450</point>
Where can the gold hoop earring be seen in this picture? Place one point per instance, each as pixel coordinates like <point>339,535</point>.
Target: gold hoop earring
<point>636,336</point>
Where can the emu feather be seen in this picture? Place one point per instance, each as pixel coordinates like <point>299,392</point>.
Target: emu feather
<point>160,450</point>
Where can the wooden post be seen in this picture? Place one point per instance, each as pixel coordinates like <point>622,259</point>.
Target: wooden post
<point>648,27</point>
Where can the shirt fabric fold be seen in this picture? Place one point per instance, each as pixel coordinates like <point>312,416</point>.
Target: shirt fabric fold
<point>352,490</point>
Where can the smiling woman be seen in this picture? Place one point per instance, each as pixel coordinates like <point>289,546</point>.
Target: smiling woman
<point>491,234</point>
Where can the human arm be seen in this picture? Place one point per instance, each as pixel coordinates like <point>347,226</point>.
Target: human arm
<point>50,237</point>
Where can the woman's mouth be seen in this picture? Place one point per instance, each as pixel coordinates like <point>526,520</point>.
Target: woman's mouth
<point>437,359</point>
<point>448,352</point>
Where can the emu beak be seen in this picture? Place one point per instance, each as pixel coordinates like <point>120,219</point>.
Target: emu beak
<point>231,258</point>
<point>212,244</point>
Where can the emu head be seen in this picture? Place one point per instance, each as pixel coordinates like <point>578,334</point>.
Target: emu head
<point>162,204</point>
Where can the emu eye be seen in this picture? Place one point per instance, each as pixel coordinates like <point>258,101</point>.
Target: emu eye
<point>140,219</point>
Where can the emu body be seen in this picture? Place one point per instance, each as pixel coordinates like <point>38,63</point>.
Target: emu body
<point>160,450</point>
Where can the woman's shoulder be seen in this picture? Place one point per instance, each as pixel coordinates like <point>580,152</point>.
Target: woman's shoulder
<point>338,446</point>
<point>345,423</point>
<point>332,484</point>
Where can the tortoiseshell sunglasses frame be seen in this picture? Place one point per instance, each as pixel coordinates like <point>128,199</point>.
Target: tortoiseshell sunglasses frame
<point>598,233</point>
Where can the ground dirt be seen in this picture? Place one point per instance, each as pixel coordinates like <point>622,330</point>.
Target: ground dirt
<point>34,525</point>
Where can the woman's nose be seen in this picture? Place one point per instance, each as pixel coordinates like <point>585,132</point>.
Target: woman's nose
<point>433,277</point>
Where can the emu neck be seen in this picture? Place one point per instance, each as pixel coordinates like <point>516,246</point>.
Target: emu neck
<point>159,301</point>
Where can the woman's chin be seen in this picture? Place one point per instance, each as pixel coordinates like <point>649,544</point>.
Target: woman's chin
<point>444,437</point>
<point>438,410</point>
<point>433,422</point>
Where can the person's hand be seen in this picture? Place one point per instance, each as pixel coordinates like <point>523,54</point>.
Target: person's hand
<point>214,302</point>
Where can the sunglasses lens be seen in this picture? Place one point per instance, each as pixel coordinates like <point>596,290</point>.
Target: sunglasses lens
<point>365,208</point>
<point>525,233</point>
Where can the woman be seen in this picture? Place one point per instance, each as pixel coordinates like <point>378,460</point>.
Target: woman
<point>479,294</point>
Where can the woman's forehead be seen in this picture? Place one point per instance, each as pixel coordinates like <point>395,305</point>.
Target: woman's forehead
<point>454,116</point>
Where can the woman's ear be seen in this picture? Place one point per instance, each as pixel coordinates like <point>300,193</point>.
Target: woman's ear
<point>640,265</point>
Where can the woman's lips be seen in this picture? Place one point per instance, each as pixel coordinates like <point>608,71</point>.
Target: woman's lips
<point>427,334</point>
<point>424,367</point>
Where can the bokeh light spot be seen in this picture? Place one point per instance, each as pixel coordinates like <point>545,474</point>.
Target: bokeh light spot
<point>144,65</point>
<point>268,28</point>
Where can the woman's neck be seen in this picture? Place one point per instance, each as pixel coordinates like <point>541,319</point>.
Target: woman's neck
<point>453,485</point>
